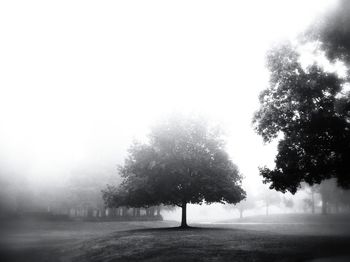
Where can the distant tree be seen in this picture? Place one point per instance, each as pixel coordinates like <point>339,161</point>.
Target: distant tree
<point>308,204</point>
<point>327,192</point>
<point>184,162</point>
<point>312,191</point>
<point>288,202</point>
<point>270,198</point>
<point>300,107</point>
<point>333,198</point>
<point>244,205</point>
<point>83,190</point>
<point>343,201</point>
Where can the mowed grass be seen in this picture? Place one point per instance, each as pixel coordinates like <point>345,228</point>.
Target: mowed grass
<point>31,240</point>
<point>253,240</point>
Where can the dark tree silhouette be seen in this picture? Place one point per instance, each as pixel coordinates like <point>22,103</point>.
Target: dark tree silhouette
<point>302,106</point>
<point>184,162</point>
<point>332,31</point>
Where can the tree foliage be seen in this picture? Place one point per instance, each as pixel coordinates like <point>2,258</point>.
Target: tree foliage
<point>333,32</point>
<point>306,108</point>
<point>184,162</point>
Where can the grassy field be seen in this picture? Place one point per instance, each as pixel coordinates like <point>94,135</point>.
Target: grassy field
<point>276,238</point>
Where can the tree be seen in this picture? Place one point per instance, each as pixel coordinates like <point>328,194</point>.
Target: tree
<point>288,202</point>
<point>184,162</point>
<point>327,191</point>
<point>309,203</point>
<point>270,198</point>
<point>333,199</point>
<point>301,106</point>
<point>244,205</point>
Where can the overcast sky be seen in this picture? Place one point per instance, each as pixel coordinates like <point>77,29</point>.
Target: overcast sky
<point>80,79</point>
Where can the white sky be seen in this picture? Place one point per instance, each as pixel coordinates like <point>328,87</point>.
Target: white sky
<point>80,79</point>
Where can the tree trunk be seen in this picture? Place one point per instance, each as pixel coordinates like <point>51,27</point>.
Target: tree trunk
<point>324,205</point>
<point>336,207</point>
<point>241,213</point>
<point>183,219</point>
<point>89,212</point>
<point>158,210</point>
<point>124,211</point>
<point>324,208</point>
<point>312,202</point>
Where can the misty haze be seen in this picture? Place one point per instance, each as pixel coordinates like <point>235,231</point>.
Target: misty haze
<point>175,130</point>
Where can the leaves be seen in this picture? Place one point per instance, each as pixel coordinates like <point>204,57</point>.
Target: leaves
<point>184,162</point>
<point>303,106</point>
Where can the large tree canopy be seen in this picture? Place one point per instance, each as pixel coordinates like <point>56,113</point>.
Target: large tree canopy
<point>306,107</point>
<point>184,162</point>
<point>309,108</point>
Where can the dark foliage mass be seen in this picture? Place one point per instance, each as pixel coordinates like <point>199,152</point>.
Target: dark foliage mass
<point>184,162</point>
<point>333,32</point>
<point>308,109</point>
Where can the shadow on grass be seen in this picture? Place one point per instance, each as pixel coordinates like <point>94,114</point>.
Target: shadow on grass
<point>182,229</point>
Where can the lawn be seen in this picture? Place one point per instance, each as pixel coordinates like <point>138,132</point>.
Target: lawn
<point>278,238</point>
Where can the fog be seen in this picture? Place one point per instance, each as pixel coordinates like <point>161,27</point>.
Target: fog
<point>85,175</point>
<point>80,81</point>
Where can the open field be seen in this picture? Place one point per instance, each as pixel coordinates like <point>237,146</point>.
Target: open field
<point>277,238</point>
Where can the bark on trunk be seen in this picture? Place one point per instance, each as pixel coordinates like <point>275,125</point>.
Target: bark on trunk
<point>183,219</point>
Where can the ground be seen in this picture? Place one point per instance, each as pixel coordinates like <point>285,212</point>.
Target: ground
<point>276,238</point>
